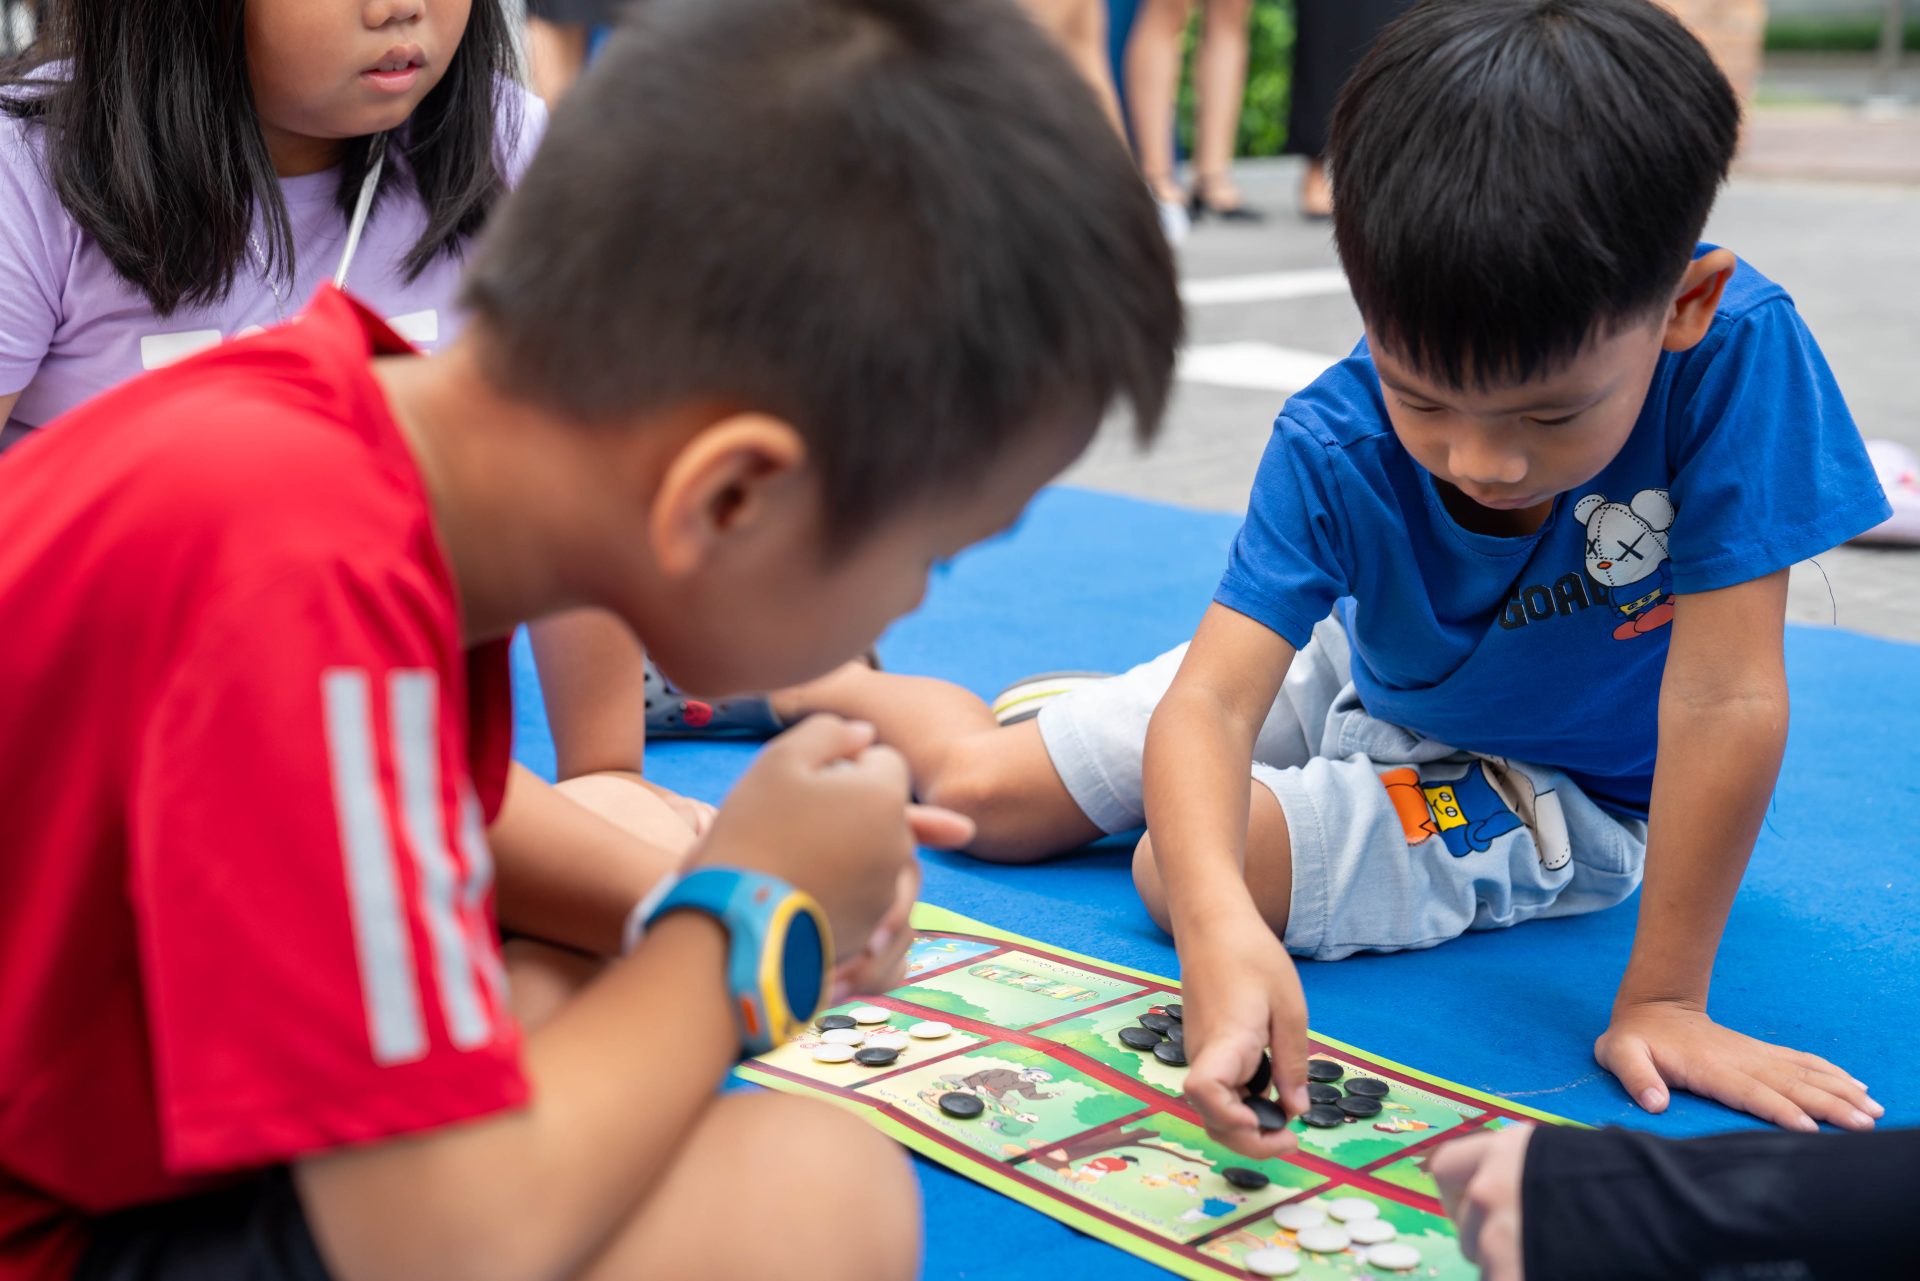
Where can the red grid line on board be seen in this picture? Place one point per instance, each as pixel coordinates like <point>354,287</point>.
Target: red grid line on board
<point>1141,1092</point>
<point>1335,1177</point>
<point>949,968</point>
<point>1426,1145</point>
<point>1150,1096</point>
<point>1091,967</point>
<point>1374,1067</point>
<point>1187,1250</point>
<point>1091,1009</point>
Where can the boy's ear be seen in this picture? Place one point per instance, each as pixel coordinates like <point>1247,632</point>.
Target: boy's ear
<point>1697,299</point>
<point>722,482</point>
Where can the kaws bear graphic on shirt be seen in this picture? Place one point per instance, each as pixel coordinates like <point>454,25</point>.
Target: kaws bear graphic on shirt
<point>1627,554</point>
<point>1489,800</point>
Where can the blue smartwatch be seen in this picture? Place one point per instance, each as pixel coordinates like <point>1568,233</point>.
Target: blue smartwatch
<point>779,953</point>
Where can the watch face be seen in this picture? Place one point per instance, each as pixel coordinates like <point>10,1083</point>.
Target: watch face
<point>804,953</point>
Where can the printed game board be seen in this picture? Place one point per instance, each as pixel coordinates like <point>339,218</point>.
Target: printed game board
<point>1096,1134</point>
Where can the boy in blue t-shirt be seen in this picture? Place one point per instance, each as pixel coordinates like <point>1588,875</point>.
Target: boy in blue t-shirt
<point>1504,622</point>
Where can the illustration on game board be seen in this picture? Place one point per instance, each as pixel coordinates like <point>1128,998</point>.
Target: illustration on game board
<point>1056,1079</point>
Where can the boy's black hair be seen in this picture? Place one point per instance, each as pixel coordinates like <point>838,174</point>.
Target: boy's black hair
<point>156,150</point>
<point>903,226</point>
<point>1513,178</point>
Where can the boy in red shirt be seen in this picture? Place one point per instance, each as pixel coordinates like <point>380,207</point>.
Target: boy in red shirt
<point>797,299</point>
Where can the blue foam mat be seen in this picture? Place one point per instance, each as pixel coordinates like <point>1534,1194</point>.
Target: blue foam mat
<point>1822,952</point>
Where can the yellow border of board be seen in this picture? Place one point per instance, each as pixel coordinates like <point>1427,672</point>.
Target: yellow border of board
<point>928,917</point>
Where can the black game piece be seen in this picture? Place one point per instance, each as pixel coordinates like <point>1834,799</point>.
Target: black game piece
<point>1262,1075</point>
<point>1324,1070</point>
<point>1241,1177</point>
<point>1359,1106</point>
<point>1171,1053</point>
<point>1175,1011</point>
<point>1177,1034</point>
<point>1367,1087</point>
<point>1324,1116</point>
<point>1156,1021</point>
<point>1139,1038</point>
<point>1267,1113</point>
<point>964,1106</point>
<point>1321,1092</point>
<point>832,1021</point>
<point>875,1056</point>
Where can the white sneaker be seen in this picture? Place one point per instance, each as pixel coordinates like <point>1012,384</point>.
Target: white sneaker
<point>1175,221</point>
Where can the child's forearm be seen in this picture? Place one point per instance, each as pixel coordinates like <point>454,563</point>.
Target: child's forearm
<point>1199,747</point>
<point>1196,797</point>
<point>1719,757</point>
<point>617,1080</point>
<point>565,874</point>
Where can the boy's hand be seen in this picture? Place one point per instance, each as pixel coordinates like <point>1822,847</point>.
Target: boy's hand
<point>1479,1182</point>
<point>826,810</point>
<point>882,964</point>
<point>1654,1045</point>
<point>1241,995</point>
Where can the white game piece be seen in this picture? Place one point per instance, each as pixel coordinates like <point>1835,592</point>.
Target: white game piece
<point>1272,1262</point>
<point>842,1036</point>
<point>931,1030</point>
<point>869,1014</point>
<point>887,1039</point>
<point>1371,1231</point>
<point>1330,1239</point>
<point>1347,1209</point>
<point>833,1054</point>
<point>1394,1256</point>
<point>1296,1216</point>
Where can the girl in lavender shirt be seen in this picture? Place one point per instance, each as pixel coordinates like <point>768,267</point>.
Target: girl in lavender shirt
<point>169,179</point>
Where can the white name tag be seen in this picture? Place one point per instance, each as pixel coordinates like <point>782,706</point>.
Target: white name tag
<point>157,350</point>
<point>421,328</point>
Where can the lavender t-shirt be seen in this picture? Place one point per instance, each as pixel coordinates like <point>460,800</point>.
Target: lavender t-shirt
<point>71,327</point>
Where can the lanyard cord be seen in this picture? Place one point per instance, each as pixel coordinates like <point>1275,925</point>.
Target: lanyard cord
<point>361,208</point>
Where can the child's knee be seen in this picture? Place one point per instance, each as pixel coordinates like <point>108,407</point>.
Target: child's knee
<point>975,778</point>
<point>542,978</point>
<point>1146,880</point>
<point>836,1178</point>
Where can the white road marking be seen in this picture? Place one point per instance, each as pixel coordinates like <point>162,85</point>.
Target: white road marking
<point>1260,366</point>
<point>1266,286</point>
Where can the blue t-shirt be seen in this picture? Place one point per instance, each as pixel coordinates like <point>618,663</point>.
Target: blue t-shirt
<point>1549,648</point>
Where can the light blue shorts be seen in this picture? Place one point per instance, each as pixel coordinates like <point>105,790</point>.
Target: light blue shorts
<point>1398,841</point>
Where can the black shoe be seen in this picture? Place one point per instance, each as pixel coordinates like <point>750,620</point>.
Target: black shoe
<point>1198,207</point>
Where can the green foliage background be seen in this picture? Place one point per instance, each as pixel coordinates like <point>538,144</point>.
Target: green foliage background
<point>1263,114</point>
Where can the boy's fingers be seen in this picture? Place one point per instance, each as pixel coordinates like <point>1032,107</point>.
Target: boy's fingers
<point>1825,1105</point>
<point>1213,1095</point>
<point>822,740</point>
<point>939,829</point>
<point>885,767</point>
<point>1839,1085</point>
<point>1632,1062</point>
<point>1290,1054</point>
<point>1758,1099</point>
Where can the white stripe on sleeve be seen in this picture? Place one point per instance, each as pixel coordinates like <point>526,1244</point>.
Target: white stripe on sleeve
<point>415,700</point>
<point>473,848</point>
<point>387,976</point>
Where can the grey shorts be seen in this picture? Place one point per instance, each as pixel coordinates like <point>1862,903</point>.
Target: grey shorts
<point>1398,841</point>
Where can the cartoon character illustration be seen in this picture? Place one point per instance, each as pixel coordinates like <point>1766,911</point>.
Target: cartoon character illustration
<point>997,1083</point>
<point>1467,813</point>
<point>1039,984</point>
<point>1401,1125</point>
<point>1188,1181</point>
<point>1627,554</point>
<point>1214,1207</point>
<point>1098,1168</point>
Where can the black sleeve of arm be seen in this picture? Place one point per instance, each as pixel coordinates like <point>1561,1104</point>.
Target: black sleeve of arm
<point>1616,1204</point>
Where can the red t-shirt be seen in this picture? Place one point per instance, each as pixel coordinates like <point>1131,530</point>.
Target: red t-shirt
<point>246,765</point>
